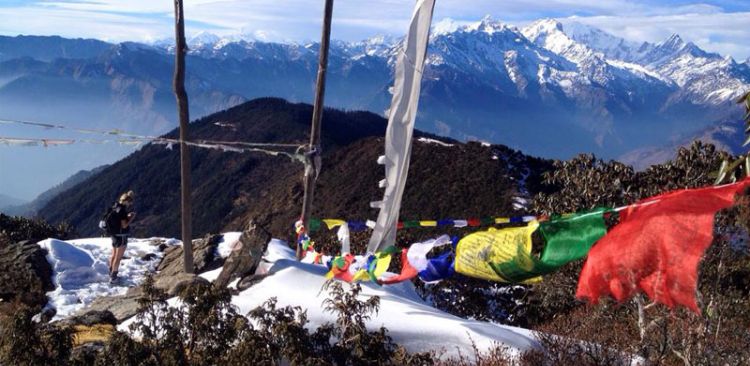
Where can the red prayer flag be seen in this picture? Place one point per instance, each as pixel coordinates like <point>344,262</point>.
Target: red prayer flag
<point>407,271</point>
<point>656,247</point>
<point>342,272</point>
<point>474,222</point>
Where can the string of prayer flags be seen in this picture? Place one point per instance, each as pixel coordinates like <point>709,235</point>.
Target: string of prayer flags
<point>356,226</point>
<point>340,268</point>
<point>350,268</point>
<point>377,264</point>
<point>567,238</point>
<point>333,223</point>
<point>656,247</point>
<point>476,251</point>
<point>12,141</point>
<point>407,271</point>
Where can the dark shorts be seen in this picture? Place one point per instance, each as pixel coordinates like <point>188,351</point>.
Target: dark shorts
<point>120,240</point>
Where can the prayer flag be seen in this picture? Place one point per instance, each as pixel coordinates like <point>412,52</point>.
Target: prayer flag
<point>567,239</point>
<point>477,250</point>
<point>656,247</point>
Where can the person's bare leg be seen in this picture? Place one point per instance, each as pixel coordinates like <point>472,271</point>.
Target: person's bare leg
<point>112,259</point>
<point>119,252</point>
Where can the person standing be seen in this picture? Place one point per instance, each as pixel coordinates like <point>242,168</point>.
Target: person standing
<point>123,216</point>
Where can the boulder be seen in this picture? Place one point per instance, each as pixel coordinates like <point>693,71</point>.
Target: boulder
<point>244,259</point>
<point>205,257</point>
<point>173,285</point>
<point>89,318</point>
<point>121,307</point>
<point>148,257</point>
<point>25,276</point>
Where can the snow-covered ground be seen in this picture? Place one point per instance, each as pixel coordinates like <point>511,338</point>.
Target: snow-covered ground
<point>81,269</point>
<point>80,276</point>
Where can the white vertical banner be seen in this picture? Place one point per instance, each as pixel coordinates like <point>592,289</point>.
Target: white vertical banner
<point>398,135</point>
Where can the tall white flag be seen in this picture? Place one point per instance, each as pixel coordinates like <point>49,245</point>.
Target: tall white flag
<point>406,88</point>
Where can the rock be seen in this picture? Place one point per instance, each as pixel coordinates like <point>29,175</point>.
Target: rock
<point>249,281</point>
<point>148,257</point>
<point>122,306</point>
<point>25,275</point>
<point>204,258</point>
<point>90,318</point>
<point>163,247</point>
<point>244,260</point>
<point>173,285</point>
<point>47,314</point>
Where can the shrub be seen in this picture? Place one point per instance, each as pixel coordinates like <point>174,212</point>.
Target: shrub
<point>26,342</point>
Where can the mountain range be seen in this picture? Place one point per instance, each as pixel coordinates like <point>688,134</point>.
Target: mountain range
<point>549,89</point>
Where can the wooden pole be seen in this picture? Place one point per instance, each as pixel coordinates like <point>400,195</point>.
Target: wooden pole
<point>314,147</point>
<point>182,111</point>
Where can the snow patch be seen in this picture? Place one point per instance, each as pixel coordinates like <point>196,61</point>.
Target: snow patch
<point>80,270</point>
<point>433,141</point>
<point>411,322</point>
<point>229,242</point>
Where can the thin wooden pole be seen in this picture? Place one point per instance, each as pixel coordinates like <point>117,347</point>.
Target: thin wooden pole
<point>311,166</point>
<point>182,110</point>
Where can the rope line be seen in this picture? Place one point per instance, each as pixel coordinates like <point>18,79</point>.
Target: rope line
<point>47,142</point>
<point>135,139</point>
<point>119,132</point>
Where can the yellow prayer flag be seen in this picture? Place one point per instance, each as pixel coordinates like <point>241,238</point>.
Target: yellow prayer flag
<point>475,250</point>
<point>427,223</point>
<point>333,223</point>
<point>384,261</point>
<point>502,220</point>
<point>360,276</point>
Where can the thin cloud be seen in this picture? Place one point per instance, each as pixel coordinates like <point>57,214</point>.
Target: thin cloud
<point>716,25</point>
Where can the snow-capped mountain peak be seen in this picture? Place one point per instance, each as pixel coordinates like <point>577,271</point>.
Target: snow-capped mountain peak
<point>489,25</point>
<point>613,47</point>
<point>444,26</point>
<point>202,39</point>
<point>673,43</point>
<point>541,29</point>
<point>550,34</point>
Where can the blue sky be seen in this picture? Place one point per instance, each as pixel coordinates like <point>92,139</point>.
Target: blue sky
<point>719,26</point>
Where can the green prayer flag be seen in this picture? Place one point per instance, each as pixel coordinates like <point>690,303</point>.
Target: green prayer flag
<point>314,224</point>
<point>487,221</point>
<point>411,223</point>
<point>567,239</point>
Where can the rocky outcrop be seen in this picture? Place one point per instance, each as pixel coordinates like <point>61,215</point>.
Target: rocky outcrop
<point>90,318</point>
<point>205,257</point>
<point>25,276</point>
<point>121,307</point>
<point>244,259</point>
<point>173,285</point>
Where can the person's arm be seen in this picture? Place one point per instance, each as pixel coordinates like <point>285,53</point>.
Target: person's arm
<point>126,221</point>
